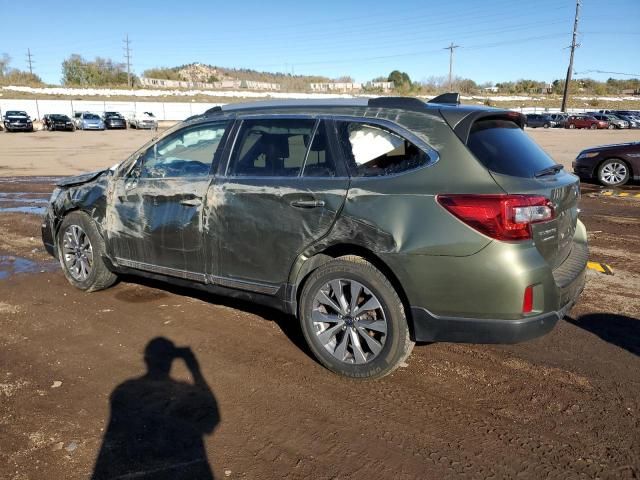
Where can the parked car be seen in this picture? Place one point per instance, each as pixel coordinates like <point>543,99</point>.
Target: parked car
<point>612,120</point>
<point>90,121</point>
<point>114,120</point>
<point>611,165</point>
<point>76,118</point>
<point>349,214</point>
<point>143,120</point>
<point>630,119</point>
<point>585,121</point>
<point>559,118</point>
<point>17,120</point>
<point>535,120</point>
<point>57,121</point>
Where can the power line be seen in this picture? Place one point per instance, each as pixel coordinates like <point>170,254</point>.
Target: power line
<point>30,61</point>
<point>451,48</point>
<point>127,56</point>
<point>610,73</point>
<point>570,69</point>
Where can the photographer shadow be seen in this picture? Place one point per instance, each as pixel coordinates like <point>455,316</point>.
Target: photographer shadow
<point>157,424</point>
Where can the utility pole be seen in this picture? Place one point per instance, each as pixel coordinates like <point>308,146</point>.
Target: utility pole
<point>451,48</point>
<point>127,56</point>
<point>30,61</point>
<point>573,48</point>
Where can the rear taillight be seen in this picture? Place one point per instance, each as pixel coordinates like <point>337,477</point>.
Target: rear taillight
<point>503,217</point>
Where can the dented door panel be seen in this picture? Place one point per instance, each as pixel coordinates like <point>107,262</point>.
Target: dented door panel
<point>160,222</point>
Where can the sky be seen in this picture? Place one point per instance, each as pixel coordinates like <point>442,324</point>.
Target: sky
<point>499,40</point>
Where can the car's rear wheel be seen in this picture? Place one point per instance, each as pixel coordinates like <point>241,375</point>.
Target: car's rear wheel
<point>611,126</point>
<point>80,251</point>
<point>593,126</point>
<point>353,319</point>
<point>571,125</point>
<point>613,173</point>
<point>546,125</point>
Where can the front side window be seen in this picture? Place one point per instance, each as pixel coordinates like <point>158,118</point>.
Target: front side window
<point>373,151</point>
<point>271,147</point>
<point>186,153</point>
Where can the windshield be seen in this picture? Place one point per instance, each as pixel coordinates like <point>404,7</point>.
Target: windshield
<point>502,147</point>
<point>16,113</point>
<point>91,116</point>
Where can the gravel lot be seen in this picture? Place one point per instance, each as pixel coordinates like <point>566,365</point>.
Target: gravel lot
<point>563,406</point>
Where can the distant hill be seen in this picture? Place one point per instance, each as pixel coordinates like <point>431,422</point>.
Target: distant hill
<point>198,72</point>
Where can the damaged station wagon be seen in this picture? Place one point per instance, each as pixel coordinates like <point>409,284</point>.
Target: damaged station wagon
<point>377,223</point>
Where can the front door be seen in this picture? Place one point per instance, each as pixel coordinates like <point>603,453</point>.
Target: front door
<point>155,214</point>
<point>281,192</point>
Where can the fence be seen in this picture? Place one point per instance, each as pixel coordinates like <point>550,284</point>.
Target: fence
<point>161,110</point>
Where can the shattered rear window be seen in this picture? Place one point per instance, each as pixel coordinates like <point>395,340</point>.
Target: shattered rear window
<point>373,151</point>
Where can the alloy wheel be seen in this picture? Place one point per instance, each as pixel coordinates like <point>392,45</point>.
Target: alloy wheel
<point>77,253</point>
<point>349,321</point>
<point>613,173</point>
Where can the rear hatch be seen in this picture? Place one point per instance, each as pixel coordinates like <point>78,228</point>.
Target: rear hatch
<point>520,166</point>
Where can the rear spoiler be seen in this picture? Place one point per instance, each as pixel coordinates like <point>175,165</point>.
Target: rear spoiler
<point>462,127</point>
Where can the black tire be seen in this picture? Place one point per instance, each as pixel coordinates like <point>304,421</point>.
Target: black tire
<point>610,173</point>
<point>546,125</point>
<point>99,276</point>
<point>611,126</point>
<point>593,126</point>
<point>572,126</point>
<point>397,344</point>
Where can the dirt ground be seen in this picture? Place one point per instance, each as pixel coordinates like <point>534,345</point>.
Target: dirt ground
<point>564,406</point>
<point>69,153</point>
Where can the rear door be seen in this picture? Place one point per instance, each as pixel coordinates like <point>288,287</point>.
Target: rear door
<point>280,193</point>
<point>520,166</point>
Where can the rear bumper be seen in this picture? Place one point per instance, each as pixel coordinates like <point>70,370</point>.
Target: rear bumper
<point>428,327</point>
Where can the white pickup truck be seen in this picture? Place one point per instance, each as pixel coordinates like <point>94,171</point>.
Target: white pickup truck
<point>143,120</point>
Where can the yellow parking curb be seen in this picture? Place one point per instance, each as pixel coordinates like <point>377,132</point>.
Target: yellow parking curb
<point>616,193</point>
<point>600,267</point>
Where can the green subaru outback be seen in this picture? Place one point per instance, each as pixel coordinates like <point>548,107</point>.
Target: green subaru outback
<point>377,223</point>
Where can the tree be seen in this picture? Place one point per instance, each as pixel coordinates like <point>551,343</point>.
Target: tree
<point>77,71</point>
<point>344,79</point>
<point>5,60</point>
<point>400,80</point>
<point>13,76</point>
<point>163,73</point>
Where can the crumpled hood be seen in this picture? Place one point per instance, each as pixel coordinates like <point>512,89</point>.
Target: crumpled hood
<point>80,179</point>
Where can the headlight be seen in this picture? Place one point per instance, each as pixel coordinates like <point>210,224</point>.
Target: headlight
<point>588,155</point>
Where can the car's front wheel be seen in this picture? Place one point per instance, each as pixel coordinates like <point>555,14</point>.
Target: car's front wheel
<point>613,173</point>
<point>80,251</point>
<point>353,319</point>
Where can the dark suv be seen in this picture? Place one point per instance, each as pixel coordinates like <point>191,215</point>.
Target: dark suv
<point>376,222</point>
<point>15,120</point>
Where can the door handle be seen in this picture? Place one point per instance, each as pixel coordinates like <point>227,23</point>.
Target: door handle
<point>307,203</point>
<point>192,202</point>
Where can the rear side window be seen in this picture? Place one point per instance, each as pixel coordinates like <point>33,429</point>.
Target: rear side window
<point>372,150</point>
<point>271,147</point>
<point>502,147</point>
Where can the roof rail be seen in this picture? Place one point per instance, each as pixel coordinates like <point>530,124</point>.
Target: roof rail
<point>447,98</point>
<point>410,103</point>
